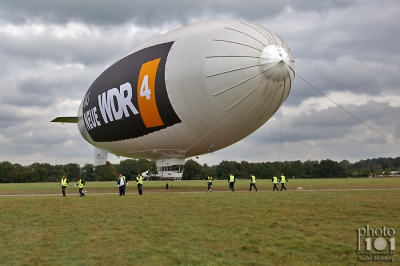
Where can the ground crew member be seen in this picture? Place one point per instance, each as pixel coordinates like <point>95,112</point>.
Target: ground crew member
<point>81,185</point>
<point>275,181</point>
<point>63,182</point>
<point>283,181</point>
<point>209,183</point>
<point>253,182</point>
<point>139,182</point>
<point>231,181</point>
<point>121,181</point>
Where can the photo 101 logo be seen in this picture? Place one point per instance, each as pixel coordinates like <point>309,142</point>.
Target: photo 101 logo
<point>375,244</point>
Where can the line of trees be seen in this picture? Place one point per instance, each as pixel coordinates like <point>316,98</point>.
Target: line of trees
<point>44,172</point>
<point>308,169</point>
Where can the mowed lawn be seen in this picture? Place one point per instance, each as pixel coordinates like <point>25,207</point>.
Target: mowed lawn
<point>200,186</point>
<point>316,226</point>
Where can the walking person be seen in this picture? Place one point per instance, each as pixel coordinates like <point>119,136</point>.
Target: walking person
<point>253,182</point>
<point>139,182</point>
<point>64,183</point>
<point>275,182</point>
<point>283,181</point>
<point>121,181</point>
<point>231,181</point>
<point>209,183</point>
<point>81,185</point>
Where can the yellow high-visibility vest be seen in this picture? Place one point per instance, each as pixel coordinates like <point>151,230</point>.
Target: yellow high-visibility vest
<point>275,180</point>
<point>253,179</point>
<point>283,179</point>
<point>231,178</point>
<point>81,184</point>
<point>209,179</point>
<point>123,178</point>
<point>139,179</point>
<point>63,182</point>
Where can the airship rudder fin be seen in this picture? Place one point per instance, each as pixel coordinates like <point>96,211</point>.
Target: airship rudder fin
<point>65,119</point>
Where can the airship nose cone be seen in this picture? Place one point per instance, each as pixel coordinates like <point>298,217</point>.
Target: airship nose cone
<point>275,62</point>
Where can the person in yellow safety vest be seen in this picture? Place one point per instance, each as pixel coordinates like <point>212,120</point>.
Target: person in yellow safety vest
<point>64,183</point>
<point>121,181</point>
<point>139,182</point>
<point>275,182</point>
<point>231,181</point>
<point>283,181</point>
<point>253,182</point>
<point>81,185</point>
<point>209,183</point>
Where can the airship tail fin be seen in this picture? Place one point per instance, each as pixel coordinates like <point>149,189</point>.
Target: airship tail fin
<point>100,156</point>
<point>65,119</point>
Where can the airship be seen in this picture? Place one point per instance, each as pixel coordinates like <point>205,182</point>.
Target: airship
<point>191,91</point>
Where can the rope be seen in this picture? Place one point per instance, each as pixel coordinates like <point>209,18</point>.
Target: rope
<point>377,131</point>
<point>280,136</point>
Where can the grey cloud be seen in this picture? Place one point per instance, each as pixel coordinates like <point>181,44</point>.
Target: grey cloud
<point>151,12</point>
<point>10,117</point>
<point>331,124</point>
<point>42,89</point>
<point>319,78</point>
<point>89,48</point>
<point>382,114</point>
<point>56,144</point>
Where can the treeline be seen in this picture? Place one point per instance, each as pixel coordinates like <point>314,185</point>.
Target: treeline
<point>44,172</point>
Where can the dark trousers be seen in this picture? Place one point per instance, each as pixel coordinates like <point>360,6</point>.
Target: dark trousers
<point>283,186</point>
<point>122,190</point>
<point>81,192</point>
<point>232,186</point>
<point>209,186</point>
<point>275,187</point>
<point>253,185</point>
<point>139,188</point>
<point>63,190</point>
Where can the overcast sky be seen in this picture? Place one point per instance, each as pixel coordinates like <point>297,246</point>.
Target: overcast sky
<point>52,51</point>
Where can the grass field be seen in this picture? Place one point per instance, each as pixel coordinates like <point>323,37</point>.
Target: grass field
<point>316,226</point>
